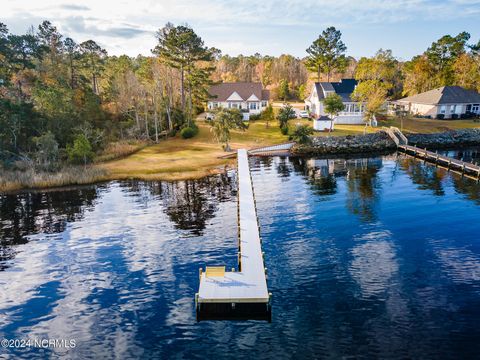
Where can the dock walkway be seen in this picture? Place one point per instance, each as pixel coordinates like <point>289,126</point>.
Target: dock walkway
<point>241,294</point>
<point>451,164</point>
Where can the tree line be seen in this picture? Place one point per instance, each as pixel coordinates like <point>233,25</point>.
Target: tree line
<point>63,101</point>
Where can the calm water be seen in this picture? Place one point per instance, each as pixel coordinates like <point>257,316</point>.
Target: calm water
<point>367,258</point>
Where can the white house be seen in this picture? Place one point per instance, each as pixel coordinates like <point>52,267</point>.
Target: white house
<point>446,102</point>
<point>353,112</point>
<point>249,97</point>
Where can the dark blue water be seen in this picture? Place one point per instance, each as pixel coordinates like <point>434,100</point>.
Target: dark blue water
<point>367,258</point>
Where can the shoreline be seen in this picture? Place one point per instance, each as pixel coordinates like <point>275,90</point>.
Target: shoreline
<point>373,144</point>
<point>380,142</point>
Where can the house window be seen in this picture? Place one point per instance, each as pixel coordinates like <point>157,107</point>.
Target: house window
<point>442,109</point>
<point>264,104</point>
<point>252,106</point>
<point>475,108</point>
<point>214,105</point>
<point>452,109</point>
<point>469,107</point>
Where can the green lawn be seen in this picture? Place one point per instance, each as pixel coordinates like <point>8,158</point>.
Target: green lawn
<point>428,126</point>
<point>178,158</point>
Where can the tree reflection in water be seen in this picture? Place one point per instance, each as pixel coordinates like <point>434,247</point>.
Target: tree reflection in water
<point>427,177</point>
<point>46,212</point>
<point>191,203</point>
<point>363,187</point>
<point>470,188</point>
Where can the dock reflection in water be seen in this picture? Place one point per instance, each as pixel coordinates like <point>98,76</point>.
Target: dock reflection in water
<point>372,258</point>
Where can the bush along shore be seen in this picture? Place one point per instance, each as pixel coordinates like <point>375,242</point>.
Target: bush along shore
<point>380,142</point>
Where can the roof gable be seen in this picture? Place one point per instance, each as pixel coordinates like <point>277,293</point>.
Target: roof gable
<point>234,97</point>
<point>253,98</point>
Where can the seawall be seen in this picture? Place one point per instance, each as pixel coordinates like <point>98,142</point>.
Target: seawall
<point>380,142</point>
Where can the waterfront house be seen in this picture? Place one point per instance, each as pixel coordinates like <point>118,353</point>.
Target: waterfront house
<point>249,97</point>
<point>446,102</point>
<point>353,112</point>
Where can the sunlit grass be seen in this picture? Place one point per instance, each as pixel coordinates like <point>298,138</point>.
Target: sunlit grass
<point>30,179</point>
<point>428,126</point>
<point>178,158</point>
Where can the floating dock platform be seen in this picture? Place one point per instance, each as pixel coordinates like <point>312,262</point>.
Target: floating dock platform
<point>241,294</point>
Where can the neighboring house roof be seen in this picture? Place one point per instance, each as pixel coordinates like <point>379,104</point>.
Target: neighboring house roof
<point>344,88</point>
<point>444,95</point>
<point>242,90</point>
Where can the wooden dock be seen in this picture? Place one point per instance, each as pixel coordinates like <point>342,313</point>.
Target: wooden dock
<point>242,294</point>
<point>451,164</point>
<point>464,168</point>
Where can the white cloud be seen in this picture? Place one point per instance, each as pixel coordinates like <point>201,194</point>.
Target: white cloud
<point>243,26</point>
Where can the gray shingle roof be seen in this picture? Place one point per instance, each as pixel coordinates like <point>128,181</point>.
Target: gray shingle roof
<point>444,95</point>
<point>343,88</point>
<point>221,92</point>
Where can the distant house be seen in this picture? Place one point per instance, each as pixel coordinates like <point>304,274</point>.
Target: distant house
<point>249,97</point>
<point>353,113</point>
<point>446,102</point>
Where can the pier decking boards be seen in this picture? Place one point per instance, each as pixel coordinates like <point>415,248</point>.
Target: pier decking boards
<point>464,168</point>
<point>467,169</point>
<point>242,294</point>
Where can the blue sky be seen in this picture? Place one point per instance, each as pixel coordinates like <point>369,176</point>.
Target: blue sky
<point>407,27</point>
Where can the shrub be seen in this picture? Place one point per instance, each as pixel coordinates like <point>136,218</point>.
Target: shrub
<point>440,116</point>
<point>81,151</point>
<point>267,114</point>
<point>284,114</point>
<point>454,116</point>
<point>254,117</point>
<point>284,130</point>
<point>189,132</point>
<point>302,134</point>
<point>47,151</point>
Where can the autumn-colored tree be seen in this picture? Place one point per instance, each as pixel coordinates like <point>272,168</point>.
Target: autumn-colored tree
<point>467,72</point>
<point>384,68</point>
<point>372,94</point>
<point>419,76</point>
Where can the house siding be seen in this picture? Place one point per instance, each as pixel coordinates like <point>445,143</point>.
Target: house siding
<point>315,105</point>
<point>434,110</point>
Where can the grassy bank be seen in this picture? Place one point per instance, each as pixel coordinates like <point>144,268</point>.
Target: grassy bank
<point>428,126</point>
<point>180,159</point>
<point>30,179</point>
<point>177,158</point>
